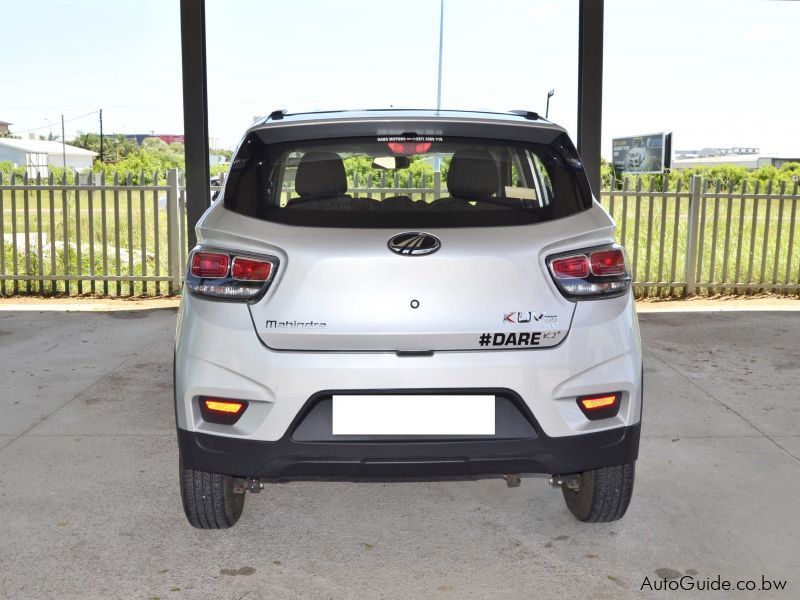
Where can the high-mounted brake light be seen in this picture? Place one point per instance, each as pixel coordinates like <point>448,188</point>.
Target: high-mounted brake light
<point>591,273</point>
<point>600,406</point>
<point>228,275</point>
<point>221,410</point>
<point>407,148</point>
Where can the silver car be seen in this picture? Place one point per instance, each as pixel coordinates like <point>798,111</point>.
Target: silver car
<point>406,294</point>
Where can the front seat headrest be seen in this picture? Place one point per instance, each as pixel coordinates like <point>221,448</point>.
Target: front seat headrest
<point>320,175</point>
<point>472,174</point>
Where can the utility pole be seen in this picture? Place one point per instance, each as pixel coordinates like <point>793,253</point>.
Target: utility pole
<point>550,94</point>
<point>101,135</point>
<point>441,39</point>
<point>63,145</point>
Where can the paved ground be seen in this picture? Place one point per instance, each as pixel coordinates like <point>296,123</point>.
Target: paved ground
<point>89,504</point>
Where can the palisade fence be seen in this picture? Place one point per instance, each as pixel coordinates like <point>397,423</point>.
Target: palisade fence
<point>708,239</point>
<point>93,236</point>
<point>120,238</point>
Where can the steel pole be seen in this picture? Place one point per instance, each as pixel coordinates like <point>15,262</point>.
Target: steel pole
<point>441,43</point>
<point>63,145</point>
<point>101,135</point>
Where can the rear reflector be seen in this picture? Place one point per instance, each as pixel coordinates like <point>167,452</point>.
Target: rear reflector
<point>226,407</point>
<point>209,265</point>
<point>248,269</point>
<point>221,410</point>
<point>600,406</point>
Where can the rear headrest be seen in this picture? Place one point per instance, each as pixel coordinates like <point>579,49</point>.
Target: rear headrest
<point>472,174</point>
<point>320,174</point>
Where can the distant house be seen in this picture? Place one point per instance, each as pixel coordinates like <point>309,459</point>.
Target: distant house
<point>4,127</point>
<point>217,159</point>
<point>38,155</point>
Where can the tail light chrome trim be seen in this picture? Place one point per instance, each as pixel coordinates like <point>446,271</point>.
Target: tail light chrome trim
<point>226,287</point>
<point>591,273</point>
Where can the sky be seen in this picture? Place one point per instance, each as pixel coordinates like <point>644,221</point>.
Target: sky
<point>716,73</point>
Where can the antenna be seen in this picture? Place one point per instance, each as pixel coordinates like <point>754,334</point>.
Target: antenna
<point>441,40</point>
<point>101,136</point>
<point>550,94</point>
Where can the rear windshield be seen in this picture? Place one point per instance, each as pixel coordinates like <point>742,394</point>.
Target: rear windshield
<point>405,181</point>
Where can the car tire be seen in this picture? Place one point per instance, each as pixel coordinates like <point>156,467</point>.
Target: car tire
<point>603,494</point>
<point>208,499</point>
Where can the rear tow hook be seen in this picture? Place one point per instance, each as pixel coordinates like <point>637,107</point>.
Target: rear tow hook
<point>571,482</point>
<point>241,485</point>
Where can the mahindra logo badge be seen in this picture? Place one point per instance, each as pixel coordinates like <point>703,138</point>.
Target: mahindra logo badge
<point>414,243</point>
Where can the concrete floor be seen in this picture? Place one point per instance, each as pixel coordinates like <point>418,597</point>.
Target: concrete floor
<point>89,504</point>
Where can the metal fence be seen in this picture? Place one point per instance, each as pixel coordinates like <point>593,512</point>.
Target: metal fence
<point>708,239</point>
<point>92,236</point>
<point>114,238</point>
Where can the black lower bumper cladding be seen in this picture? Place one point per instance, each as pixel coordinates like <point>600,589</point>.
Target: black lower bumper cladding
<point>297,455</point>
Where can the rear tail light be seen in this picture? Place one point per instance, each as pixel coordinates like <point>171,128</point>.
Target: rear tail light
<point>608,262</point>
<point>600,406</point>
<point>250,269</point>
<point>223,411</point>
<point>229,275</point>
<point>570,267</point>
<point>210,265</point>
<point>591,273</point>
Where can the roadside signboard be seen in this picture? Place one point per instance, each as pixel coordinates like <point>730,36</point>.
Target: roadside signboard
<point>649,153</point>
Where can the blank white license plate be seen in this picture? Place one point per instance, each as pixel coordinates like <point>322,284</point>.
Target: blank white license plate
<point>413,415</point>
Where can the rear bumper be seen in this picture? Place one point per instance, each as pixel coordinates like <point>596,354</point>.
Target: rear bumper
<point>218,354</point>
<point>308,451</point>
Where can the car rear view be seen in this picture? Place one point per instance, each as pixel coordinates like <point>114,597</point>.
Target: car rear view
<point>405,294</point>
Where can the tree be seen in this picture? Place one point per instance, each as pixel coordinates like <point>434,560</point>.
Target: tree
<point>115,146</point>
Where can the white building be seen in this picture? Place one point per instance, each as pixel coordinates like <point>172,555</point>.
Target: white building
<point>749,161</point>
<point>38,155</point>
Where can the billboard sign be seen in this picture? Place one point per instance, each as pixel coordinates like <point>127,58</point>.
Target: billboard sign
<point>650,153</point>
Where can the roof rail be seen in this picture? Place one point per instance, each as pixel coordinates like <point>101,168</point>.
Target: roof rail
<point>277,115</point>
<point>528,114</point>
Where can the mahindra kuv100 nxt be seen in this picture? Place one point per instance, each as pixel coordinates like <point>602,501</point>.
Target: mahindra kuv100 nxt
<point>406,294</point>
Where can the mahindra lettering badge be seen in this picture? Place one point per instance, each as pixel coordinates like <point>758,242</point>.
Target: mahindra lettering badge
<point>414,243</point>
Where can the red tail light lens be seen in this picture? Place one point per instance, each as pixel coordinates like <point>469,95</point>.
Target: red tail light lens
<point>229,275</point>
<point>601,406</point>
<point>570,267</point>
<point>591,273</point>
<point>249,269</point>
<point>608,262</point>
<point>210,264</point>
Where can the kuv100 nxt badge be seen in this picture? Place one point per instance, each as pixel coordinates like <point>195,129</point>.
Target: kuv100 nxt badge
<point>529,316</point>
